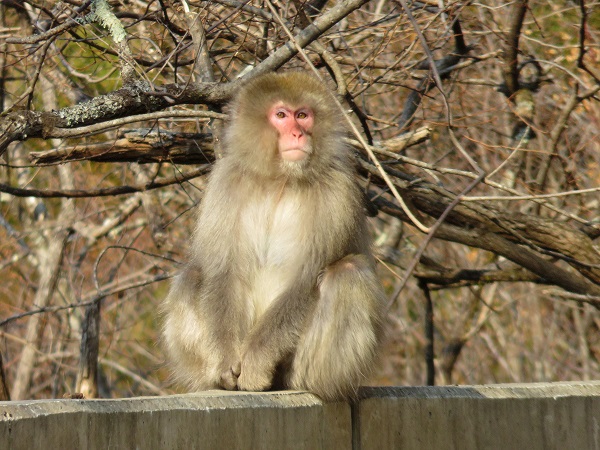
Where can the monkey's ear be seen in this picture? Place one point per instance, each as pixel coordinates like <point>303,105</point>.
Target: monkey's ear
<point>370,208</point>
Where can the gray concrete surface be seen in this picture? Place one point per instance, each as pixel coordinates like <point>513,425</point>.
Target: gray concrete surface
<point>542,416</point>
<point>211,420</point>
<point>516,416</point>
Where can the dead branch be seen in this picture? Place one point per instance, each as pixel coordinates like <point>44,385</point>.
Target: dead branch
<point>102,192</point>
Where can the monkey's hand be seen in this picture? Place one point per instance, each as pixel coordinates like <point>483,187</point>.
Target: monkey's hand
<point>229,377</point>
<point>256,372</point>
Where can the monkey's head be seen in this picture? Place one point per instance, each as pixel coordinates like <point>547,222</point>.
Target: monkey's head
<point>286,125</point>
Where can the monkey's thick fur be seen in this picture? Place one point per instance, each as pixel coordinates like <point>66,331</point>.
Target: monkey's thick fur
<point>280,288</point>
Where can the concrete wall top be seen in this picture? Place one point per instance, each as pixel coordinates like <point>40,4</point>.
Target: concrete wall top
<point>512,416</point>
<point>538,416</point>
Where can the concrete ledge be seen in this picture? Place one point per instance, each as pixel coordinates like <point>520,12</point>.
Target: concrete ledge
<point>210,420</point>
<point>528,416</point>
<point>542,416</point>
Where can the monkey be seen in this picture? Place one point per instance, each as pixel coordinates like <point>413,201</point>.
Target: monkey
<point>280,289</point>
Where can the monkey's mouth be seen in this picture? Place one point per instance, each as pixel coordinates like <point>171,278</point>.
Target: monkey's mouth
<point>294,154</point>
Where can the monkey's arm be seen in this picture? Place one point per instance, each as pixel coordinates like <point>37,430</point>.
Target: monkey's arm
<point>275,336</point>
<point>332,335</point>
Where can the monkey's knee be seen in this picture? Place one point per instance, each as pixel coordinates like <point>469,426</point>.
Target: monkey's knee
<point>338,347</point>
<point>350,267</point>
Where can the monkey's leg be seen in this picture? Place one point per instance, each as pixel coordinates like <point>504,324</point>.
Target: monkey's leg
<point>201,342</point>
<point>273,338</point>
<point>336,351</point>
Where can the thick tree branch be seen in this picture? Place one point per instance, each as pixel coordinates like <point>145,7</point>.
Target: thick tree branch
<point>133,99</point>
<point>140,146</point>
<point>147,146</point>
<point>483,226</point>
<point>486,240</point>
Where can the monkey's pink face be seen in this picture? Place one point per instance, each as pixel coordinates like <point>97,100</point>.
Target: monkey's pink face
<point>294,127</point>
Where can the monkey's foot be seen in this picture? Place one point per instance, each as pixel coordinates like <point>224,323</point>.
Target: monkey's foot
<point>253,379</point>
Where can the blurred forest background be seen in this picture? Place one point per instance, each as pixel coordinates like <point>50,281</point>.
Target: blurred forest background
<point>483,115</point>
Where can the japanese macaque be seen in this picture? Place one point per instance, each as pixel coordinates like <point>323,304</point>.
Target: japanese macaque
<point>280,290</point>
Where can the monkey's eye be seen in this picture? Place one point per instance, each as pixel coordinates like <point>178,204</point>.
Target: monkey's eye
<point>302,115</point>
<point>280,114</point>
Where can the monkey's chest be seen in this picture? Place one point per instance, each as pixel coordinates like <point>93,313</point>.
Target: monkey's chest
<point>274,232</point>
<point>273,248</point>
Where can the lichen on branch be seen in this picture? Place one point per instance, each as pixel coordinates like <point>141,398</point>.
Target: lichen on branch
<point>103,16</point>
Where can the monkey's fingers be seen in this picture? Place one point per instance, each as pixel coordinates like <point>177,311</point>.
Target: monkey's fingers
<point>229,379</point>
<point>236,369</point>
